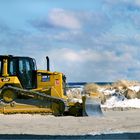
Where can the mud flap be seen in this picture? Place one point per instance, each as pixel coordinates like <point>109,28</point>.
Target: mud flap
<point>92,107</point>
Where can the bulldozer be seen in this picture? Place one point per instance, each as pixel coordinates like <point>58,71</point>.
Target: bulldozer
<point>25,89</point>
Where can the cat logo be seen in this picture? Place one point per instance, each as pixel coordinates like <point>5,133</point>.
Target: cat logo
<point>5,79</point>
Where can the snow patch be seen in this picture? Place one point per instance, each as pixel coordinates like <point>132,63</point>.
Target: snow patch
<point>135,88</point>
<point>75,100</point>
<point>114,101</point>
<point>107,91</point>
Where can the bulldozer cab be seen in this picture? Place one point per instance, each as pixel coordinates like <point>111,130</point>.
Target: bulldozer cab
<point>22,67</point>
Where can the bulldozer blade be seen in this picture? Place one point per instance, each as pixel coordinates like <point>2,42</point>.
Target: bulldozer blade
<point>92,107</point>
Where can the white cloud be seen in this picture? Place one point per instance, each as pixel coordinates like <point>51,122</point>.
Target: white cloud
<point>94,65</point>
<point>63,18</point>
<point>74,56</point>
<point>137,2</point>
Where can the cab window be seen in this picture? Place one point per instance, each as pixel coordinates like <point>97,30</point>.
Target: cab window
<point>26,72</point>
<point>12,67</point>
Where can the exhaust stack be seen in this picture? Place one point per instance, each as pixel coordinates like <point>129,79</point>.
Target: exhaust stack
<point>48,63</point>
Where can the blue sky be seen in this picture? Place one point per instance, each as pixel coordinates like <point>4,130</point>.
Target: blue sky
<point>88,40</point>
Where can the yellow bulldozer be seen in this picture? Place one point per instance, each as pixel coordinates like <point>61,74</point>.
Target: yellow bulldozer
<point>24,89</point>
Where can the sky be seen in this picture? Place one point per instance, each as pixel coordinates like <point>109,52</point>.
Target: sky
<point>87,40</point>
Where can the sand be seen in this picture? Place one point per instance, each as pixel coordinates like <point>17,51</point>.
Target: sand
<point>111,122</point>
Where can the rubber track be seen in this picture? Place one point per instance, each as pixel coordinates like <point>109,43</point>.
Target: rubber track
<point>40,96</point>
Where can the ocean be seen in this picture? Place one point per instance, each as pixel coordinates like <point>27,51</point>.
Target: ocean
<point>81,84</point>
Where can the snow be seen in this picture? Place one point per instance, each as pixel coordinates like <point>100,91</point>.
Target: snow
<point>75,100</point>
<point>107,91</point>
<point>118,99</point>
<point>134,88</point>
<point>114,101</point>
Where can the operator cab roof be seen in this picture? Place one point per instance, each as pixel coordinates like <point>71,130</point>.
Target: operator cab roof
<point>11,56</point>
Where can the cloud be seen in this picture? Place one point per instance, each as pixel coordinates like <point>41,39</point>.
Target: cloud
<point>80,28</point>
<point>137,2</point>
<point>94,64</point>
<point>65,19</point>
<point>123,10</point>
<point>75,56</point>
<point>60,19</point>
<point>135,20</point>
<point>131,5</point>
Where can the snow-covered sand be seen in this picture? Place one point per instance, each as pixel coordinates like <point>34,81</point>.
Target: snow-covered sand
<point>117,99</point>
<point>125,103</point>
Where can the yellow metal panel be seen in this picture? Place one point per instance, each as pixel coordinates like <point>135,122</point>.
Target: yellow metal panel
<point>9,80</point>
<point>57,89</point>
<point>5,67</point>
<point>55,83</point>
<point>8,109</point>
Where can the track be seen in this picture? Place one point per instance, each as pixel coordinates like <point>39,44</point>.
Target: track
<point>39,96</point>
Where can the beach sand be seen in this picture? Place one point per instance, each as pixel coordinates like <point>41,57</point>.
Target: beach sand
<point>111,122</point>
